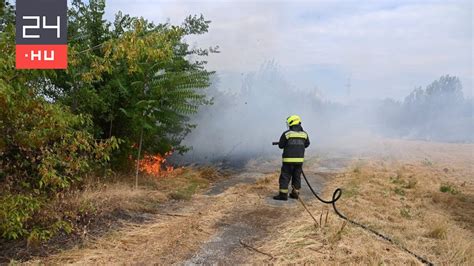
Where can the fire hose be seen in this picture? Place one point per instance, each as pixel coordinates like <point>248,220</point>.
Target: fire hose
<point>336,195</point>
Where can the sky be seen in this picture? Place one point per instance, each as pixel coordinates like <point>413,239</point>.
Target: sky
<point>342,49</point>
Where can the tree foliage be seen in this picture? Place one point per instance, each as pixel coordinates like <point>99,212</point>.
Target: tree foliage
<point>132,76</point>
<point>129,81</point>
<point>44,148</point>
<point>438,112</point>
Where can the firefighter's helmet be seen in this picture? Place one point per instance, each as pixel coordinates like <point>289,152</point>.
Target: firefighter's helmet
<point>293,120</point>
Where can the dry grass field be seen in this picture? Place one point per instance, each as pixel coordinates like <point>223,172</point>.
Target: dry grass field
<point>420,194</point>
<point>422,197</point>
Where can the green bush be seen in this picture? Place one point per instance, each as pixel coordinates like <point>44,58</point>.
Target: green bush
<point>44,149</point>
<point>15,211</point>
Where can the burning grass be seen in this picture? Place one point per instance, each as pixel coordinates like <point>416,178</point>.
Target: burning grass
<point>421,206</point>
<point>155,165</point>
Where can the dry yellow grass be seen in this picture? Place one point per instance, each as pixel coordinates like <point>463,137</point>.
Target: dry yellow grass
<point>121,193</point>
<point>399,198</point>
<point>423,198</point>
<point>103,206</point>
<point>169,238</point>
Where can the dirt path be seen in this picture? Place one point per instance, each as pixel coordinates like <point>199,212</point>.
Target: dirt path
<point>210,228</point>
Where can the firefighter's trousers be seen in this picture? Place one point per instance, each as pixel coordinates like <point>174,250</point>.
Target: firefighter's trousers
<point>290,172</point>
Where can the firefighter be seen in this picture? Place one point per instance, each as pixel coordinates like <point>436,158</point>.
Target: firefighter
<point>294,141</point>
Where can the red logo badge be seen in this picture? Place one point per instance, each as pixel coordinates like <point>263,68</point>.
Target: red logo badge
<point>41,34</point>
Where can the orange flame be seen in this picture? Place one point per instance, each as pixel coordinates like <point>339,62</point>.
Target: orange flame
<point>155,165</point>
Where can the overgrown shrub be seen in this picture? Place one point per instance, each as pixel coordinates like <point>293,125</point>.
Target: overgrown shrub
<point>44,149</point>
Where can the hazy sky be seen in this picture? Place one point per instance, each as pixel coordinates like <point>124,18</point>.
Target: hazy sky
<point>385,48</point>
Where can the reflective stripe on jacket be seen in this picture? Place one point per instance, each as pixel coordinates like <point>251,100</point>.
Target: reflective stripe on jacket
<point>293,142</point>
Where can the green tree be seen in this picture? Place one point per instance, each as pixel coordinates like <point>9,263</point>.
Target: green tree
<point>134,78</point>
<point>6,14</point>
<point>44,148</point>
<point>132,81</point>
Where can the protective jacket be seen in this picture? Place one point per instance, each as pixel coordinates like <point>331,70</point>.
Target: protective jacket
<point>293,142</point>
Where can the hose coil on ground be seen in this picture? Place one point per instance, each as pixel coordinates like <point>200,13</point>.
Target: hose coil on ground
<point>336,195</point>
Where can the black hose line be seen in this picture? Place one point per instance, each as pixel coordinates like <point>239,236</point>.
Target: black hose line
<point>336,196</point>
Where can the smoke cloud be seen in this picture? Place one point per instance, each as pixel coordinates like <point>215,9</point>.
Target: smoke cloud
<point>242,124</point>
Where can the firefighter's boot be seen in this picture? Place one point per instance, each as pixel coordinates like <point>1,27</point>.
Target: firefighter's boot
<point>281,196</point>
<point>295,194</point>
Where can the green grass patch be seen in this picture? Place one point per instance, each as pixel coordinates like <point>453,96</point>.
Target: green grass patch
<point>185,192</point>
<point>399,191</point>
<point>403,183</point>
<point>405,213</point>
<point>397,180</point>
<point>427,162</point>
<point>350,190</point>
<point>449,188</point>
